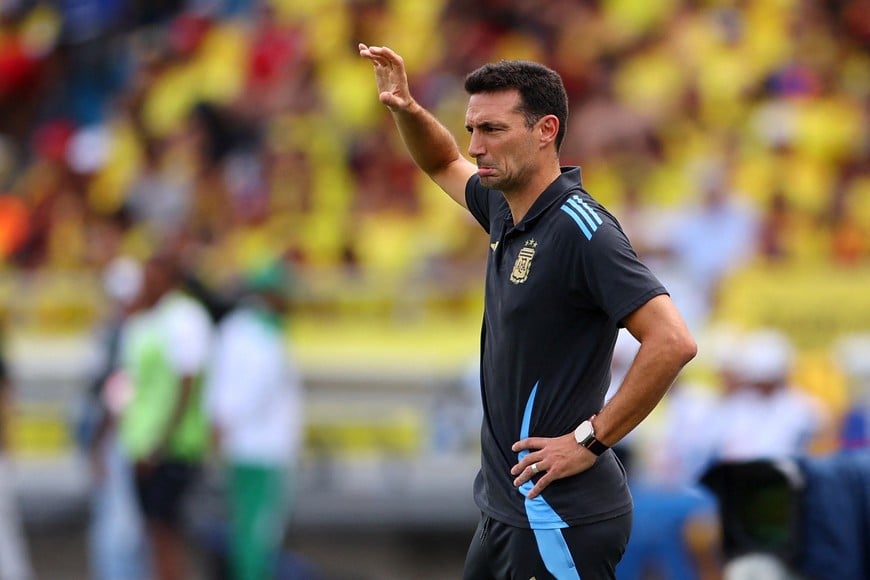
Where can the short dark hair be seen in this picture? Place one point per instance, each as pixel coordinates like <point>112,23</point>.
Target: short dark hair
<point>541,89</point>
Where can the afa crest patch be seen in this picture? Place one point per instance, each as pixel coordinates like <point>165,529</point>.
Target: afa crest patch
<point>523,265</point>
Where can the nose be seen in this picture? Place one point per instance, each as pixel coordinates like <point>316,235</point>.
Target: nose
<point>475,147</point>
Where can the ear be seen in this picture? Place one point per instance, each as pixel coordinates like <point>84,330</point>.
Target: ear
<point>549,128</point>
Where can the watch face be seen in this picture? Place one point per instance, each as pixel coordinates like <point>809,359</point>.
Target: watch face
<point>583,432</point>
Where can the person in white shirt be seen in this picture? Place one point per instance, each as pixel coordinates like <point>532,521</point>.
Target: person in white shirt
<point>767,416</point>
<point>254,402</point>
<point>764,418</point>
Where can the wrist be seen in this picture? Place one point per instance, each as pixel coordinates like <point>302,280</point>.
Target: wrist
<point>411,108</point>
<point>584,435</point>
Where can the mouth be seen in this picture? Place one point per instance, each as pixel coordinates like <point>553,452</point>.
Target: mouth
<point>485,171</point>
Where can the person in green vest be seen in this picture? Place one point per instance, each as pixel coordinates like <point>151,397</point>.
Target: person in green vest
<point>165,347</point>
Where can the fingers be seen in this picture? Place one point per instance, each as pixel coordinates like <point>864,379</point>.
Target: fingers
<point>522,468</point>
<point>534,469</point>
<point>527,473</point>
<point>379,54</point>
<point>528,443</point>
<point>552,458</point>
<point>366,51</point>
<point>530,466</point>
<point>381,51</point>
<point>539,487</point>
<point>526,463</point>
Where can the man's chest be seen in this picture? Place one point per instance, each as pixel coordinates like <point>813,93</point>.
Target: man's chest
<point>527,279</point>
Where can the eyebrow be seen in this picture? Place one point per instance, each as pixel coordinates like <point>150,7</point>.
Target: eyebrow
<point>487,125</point>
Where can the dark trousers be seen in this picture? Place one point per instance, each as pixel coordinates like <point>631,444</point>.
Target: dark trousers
<point>502,552</point>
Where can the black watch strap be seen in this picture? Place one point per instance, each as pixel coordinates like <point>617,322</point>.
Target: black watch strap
<point>595,446</point>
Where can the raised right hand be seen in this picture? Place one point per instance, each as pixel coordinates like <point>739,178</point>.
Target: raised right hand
<point>390,76</point>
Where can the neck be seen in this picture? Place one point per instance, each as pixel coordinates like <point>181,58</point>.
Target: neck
<point>521,200</point>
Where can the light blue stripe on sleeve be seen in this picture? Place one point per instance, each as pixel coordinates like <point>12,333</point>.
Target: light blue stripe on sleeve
<point>580,223</point>
<point>591,211</point>
<point>585,212</point>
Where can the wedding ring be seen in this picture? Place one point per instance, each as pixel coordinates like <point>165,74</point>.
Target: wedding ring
<point>534,469</point>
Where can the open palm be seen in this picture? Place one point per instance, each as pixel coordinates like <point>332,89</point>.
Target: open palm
<point>390,76</point>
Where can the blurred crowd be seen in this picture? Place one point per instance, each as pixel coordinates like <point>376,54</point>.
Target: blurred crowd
<point>240,134</point>
<point>249,130</point>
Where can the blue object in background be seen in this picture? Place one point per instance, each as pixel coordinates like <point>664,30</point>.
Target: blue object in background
<point>836,516</point>
<point>657,544</point>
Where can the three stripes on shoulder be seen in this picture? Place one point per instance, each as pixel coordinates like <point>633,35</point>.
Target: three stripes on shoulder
<point>586,218</point>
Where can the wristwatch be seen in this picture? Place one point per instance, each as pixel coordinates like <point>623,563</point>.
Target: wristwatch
<point>584,434</point>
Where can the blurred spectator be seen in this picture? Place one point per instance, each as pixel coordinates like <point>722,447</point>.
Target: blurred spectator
<point>159,197</point>
<point>28,31</point>
<point>278,73</point>
<point>91,65</point>
<point>14,218</point>
<point>673,460</point>
<point>14,556</point>
<point>714,236</point>
<point>849,236</point>
<point>254,402</point>
<point>457,412</point>
<point>603,125</point>
<point>767,416</point>
<point>852,353</point>
<point>163,429</point>
<point>117,537</point>
<point>777,229</point>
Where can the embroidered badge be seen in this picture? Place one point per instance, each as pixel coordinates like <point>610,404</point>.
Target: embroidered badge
<point>523,264</point>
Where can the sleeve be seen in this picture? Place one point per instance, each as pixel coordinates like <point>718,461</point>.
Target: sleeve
<point>190,337</point>
<point>478,200</point>
<point>607,271</point>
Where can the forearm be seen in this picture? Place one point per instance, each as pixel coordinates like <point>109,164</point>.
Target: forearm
<point>654,370</point>
<point>666,346</point>
<point>432,147</point>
